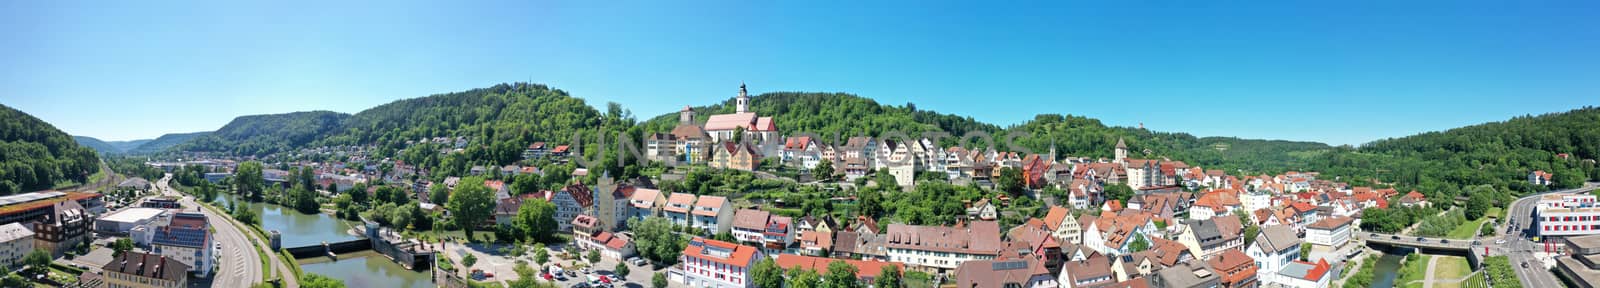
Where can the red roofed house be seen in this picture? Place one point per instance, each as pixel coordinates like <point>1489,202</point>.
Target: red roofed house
<point>1238,270</point>
<point>712,263</point>
<point>1414,199</point>
<point>729,155</point>
<point>1539,177</point>
<point>1301,274</point>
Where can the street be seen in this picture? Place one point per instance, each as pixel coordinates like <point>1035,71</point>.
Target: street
<point>1520,247</point>
<point>240,266</point>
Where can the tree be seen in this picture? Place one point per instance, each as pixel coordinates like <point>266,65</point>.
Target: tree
<point>38,262</point>
<point>889,277</point>
<point>313,280</point>
<point>1478,203</point>
<point>1010,181</point>
<point>1119,192</point>
<point>536,220</point>
<point>659,280</point>
<point>870,202</point>
<point>724,237</point>
<point>540,253</point>
<point>471,204</point>
<point>823,171</point>
<point>594,256</point>
<point>466,262</point>
<point>655,239</point>
<point>804,278</point>
<point>248,181</point>
<point>842,275</point>
<point>1305,251</point>
<point>621,270</point>
<point>766,273</point>
<point>438,194</point>
<point>120,246</point>
<point>1139,244</point>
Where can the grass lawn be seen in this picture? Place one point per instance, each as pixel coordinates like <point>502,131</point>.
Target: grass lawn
<point>1466,230</point>
<point>1475,282</point>
<point>1450,267</point>
<point>1496,212</point>
<point>1412,271</point>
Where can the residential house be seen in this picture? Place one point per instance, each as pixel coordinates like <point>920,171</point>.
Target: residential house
<point>778,234</point>
<point>736,156</point>
<point>1301,274</point>
<point>1065,229</point>
<point>940,249</point>
<point>1211,237</point>
<point>135,269</point>
<point>187,239</point>
<point>817,243</point>
<point>983,210</point>
<point>1331,233</point>
<point>690,138</point>
<point>1273,249</point>
<point>712,263</point>
<point>1093,270</point>
<point>1414,198</point>
<point>646,203</point>
<point>1237,269</point>
<point>712,214</point>
<point>535,150</point>
<point>16,241</point>
<point>570,201</point>
<point>749,225</point>
<point>1192,274</point>
<point>1005,273</point>
<point>801,151</point>
<point>1042,244</point>
<point>1539,177</point>
<point>678,207</point>
<point>61,227</point>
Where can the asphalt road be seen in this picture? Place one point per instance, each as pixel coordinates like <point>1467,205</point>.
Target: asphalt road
<point>1520,247</point>
<point>240,265</point>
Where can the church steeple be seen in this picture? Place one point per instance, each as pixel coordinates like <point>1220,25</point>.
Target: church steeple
<point>1122,150</point>
<point>686,116</point>
<point>743,102</point>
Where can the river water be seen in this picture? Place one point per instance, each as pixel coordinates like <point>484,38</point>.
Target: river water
<point>1388,267</point>
<point>364,269</point>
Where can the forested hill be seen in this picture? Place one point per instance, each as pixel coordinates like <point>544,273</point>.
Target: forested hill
<point>164,142</point>
<point>827,114</point>
<point>35,156</point>
<point>1497,153</point>
<point>96,144</point>
<point>266,134</point>
<point>109,147</point>
<point>1087,137</point>
<point>501,121</point>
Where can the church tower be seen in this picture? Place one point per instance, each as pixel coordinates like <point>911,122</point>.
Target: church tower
<point>686,116</point>
<point>743,101</point>
<point>1122,151</point>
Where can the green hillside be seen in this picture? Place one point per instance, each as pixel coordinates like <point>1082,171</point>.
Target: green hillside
<point>34,155</point>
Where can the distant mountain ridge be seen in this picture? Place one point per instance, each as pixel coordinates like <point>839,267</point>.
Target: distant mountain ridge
<point>109,147</point>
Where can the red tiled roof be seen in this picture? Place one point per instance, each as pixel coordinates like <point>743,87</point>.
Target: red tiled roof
<point>740,257</point>
<point>864,269</point>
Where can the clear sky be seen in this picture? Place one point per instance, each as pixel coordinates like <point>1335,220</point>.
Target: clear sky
<point>1341,72</point>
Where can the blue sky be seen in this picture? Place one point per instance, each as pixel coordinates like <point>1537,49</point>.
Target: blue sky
<point>1341,72</point>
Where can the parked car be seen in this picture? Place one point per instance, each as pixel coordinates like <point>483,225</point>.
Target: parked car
<point>1420,239</point>
<point>1501,241</point>
<point>1395,237</point>
<point>1445,241</point>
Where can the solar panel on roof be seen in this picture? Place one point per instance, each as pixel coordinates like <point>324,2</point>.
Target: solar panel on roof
<point>1009,265</point>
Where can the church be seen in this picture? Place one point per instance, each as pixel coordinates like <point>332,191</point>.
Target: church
<point>756,129</point>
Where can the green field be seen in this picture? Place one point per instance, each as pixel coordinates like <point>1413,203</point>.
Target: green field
<point>1413,270</point>
<point>1449,268</point>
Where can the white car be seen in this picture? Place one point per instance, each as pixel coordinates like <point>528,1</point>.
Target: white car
<point>1501,241</point>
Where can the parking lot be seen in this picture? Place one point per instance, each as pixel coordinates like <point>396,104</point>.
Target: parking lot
<point>638,276</point>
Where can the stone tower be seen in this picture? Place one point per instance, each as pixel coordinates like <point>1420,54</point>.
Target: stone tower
<point>1122,151</point>
<point>686,116</point>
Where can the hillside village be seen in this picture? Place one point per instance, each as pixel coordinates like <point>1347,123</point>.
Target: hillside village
<point>1119,222</point>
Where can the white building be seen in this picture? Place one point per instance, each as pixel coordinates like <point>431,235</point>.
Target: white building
<point>713,214</point>
<point>1274,248</point>
<point>187,238</point>
<point>1299,274</point>
<point>1332,231</point>
<point>942,248</point>
<point>716,264</point>
<point>16,241</point>
<point>122,222</point>
<point>1567,215</point>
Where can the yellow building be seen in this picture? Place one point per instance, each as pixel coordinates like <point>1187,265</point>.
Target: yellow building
<point>139,270</point>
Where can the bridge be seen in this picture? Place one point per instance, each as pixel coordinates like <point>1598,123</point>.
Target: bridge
<point>1426,245</point>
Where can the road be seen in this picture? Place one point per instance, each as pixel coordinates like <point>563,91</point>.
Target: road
<point>1520,248</point>
<point>240,265</point>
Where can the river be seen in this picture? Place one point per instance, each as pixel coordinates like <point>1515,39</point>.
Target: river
<point>363,269</point>
<point>1388,267</point>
